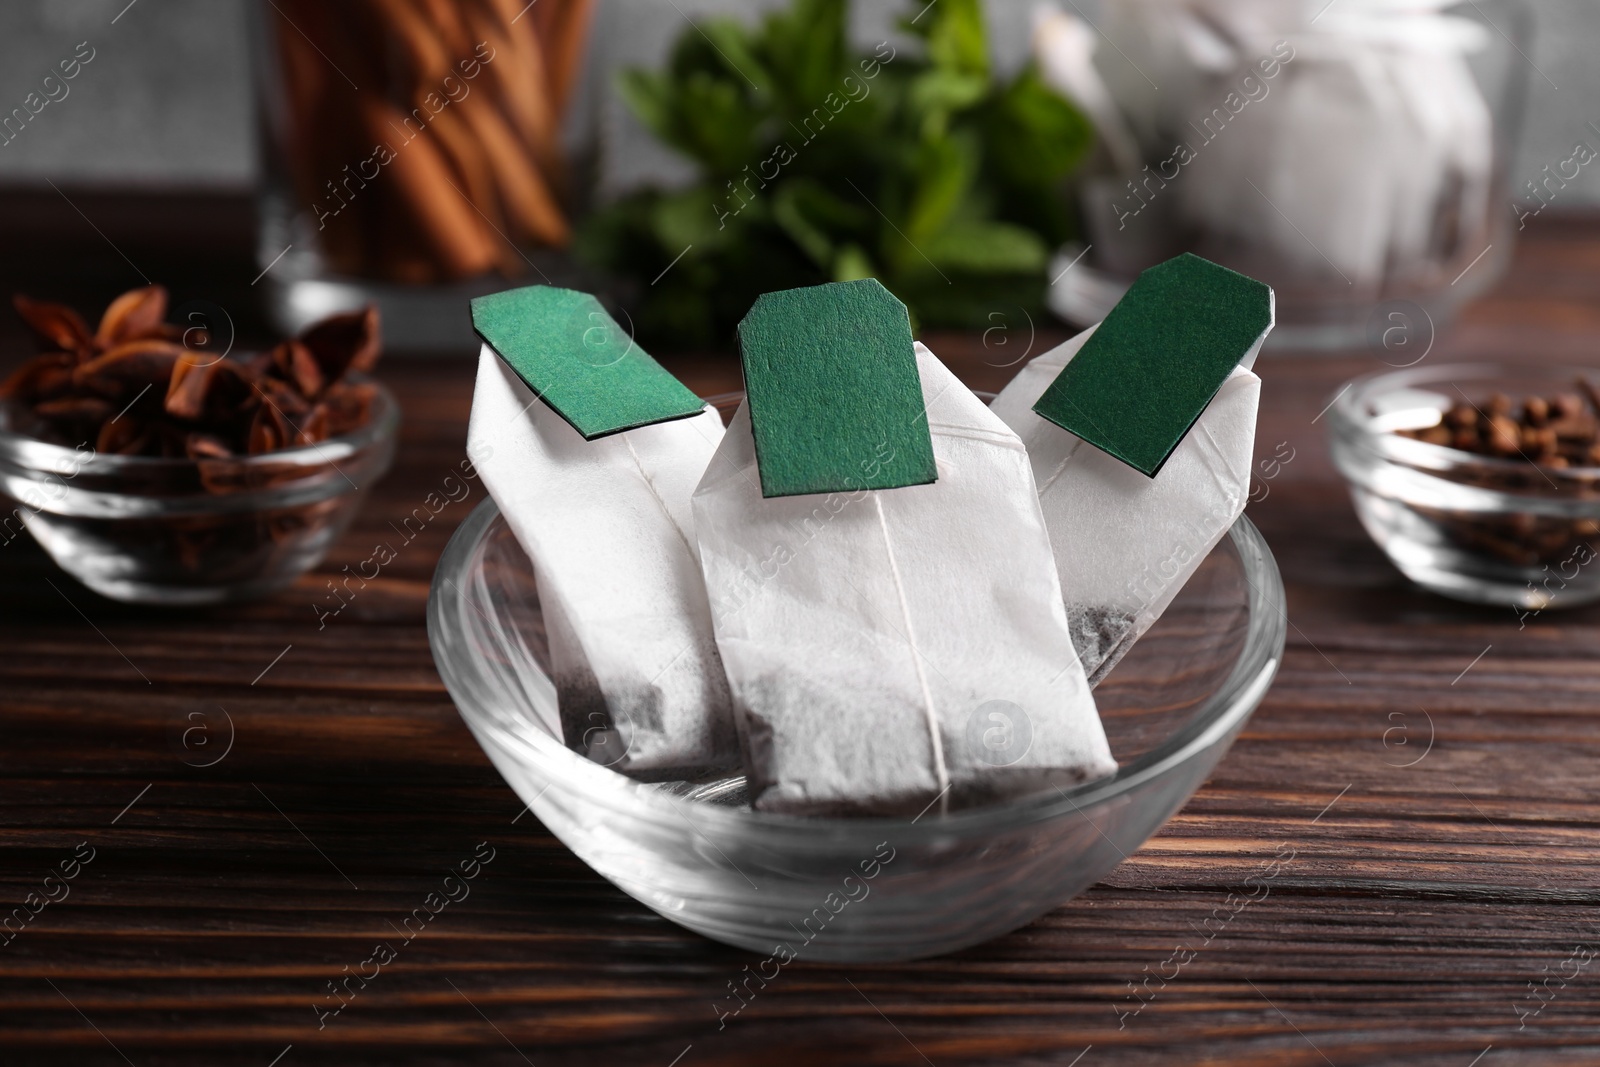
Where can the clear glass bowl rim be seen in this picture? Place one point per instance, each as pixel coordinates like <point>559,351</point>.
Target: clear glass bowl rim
<point>1350,423</point>
<point>1213,723</point>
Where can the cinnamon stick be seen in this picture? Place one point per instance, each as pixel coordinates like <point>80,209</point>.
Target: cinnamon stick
<point>420,179</point>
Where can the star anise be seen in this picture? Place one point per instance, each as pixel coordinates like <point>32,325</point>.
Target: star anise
<point>130,387</point>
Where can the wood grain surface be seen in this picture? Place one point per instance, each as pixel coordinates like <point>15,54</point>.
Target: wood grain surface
<point>1423,774</point>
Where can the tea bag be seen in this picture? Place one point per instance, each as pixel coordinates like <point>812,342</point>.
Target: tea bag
<point>1126,539</point>
<point>880,575</point>
<point>596,488</point>
<point>1327,201</point>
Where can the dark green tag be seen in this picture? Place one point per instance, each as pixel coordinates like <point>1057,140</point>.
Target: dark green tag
<point>1138,385</point>
<point>835,397</point>
<point>579,361</point>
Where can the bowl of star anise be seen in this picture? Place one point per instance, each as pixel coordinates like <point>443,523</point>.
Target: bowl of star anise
<point>155,470</point>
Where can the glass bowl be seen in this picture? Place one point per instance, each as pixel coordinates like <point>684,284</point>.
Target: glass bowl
<point>859,889</point>
<point>150,530</point>
<point>1475,528</point>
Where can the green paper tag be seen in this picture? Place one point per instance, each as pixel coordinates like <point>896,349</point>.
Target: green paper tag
<point>579,361</point>
<point>1141,382</point>
<point>835,397</point>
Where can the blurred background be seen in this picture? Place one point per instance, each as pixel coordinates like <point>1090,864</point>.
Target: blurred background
<point>161,127</point>
<point>169,104</point>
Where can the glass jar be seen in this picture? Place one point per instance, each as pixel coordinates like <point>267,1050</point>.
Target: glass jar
<point>1354,156</point>
<point>414,156</point>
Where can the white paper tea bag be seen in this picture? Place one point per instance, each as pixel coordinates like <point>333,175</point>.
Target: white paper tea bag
<point>607,523</point>
<point>885,646</point>
<point>1124,543</point>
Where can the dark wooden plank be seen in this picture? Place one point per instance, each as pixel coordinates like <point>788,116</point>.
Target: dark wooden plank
<point>1419,904</point>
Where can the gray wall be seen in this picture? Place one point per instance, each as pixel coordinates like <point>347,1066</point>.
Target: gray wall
<point>166,98</point>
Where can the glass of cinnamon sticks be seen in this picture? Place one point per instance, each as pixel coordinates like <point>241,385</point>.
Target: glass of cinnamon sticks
<point>414,153</point>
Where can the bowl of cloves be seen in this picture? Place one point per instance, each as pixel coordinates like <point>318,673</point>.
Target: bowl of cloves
<point>155,469</point>
<point>1480,482</point>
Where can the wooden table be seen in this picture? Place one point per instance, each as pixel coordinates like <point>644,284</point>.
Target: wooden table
<point>1431,881</point>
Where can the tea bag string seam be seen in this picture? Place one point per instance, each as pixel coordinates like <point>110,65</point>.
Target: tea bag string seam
<point>1227,491</point>
<point>655,494</point>
<point>1061,468</point>
<point>941,774</point>
<point>967,433</point>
